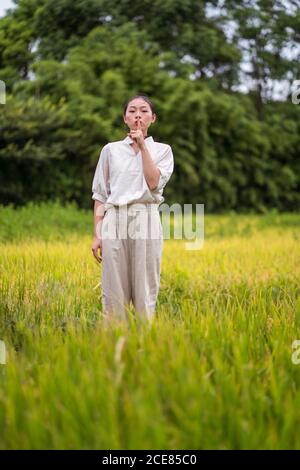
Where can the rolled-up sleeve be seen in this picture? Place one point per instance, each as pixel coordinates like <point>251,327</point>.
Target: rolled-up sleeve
<point>166,166</point>
<point>101,183</point>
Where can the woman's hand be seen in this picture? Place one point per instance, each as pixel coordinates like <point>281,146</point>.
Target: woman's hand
<point>137,135</point>
<point>97,244</point>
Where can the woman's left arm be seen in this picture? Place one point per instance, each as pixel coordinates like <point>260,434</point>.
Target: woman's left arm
<point>151,172</point>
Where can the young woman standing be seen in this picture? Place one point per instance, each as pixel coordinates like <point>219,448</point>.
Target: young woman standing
<point>127,188</point>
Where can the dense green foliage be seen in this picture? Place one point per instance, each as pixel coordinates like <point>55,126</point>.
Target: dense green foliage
<point>74,64</point>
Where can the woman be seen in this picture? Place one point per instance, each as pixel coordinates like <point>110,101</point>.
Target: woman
<point>127,188</point>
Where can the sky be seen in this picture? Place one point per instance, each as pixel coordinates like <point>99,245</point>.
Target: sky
<point>4,5</point>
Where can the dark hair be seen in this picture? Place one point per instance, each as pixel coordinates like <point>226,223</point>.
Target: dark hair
<point>144,97</point>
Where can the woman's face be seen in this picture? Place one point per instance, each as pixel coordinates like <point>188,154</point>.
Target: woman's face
<point>139,110</point>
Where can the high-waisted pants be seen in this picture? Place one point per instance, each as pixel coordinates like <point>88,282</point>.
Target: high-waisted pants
<point>132,246</point>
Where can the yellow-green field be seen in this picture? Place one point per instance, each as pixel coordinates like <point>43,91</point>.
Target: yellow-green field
<point>214,369</point>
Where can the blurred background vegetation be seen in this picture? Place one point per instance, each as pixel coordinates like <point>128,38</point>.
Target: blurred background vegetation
<point>69,66</point>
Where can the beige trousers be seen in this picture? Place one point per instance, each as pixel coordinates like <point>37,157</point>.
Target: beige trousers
<point>132,246</point>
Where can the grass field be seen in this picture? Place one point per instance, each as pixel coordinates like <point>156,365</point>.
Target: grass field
<point>214,370</point>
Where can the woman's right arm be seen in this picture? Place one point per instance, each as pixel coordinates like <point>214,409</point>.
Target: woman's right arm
<point>98,220</point>
<point>101,191</point>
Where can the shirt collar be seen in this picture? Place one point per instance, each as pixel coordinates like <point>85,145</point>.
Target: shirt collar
<point>130,141</point>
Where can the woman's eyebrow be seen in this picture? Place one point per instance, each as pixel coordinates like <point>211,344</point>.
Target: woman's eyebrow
<point>143,106</point>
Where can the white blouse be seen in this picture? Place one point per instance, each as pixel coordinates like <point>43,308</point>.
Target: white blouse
<point>119,177</point>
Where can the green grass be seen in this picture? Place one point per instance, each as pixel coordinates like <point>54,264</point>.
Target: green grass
<point>213,370</point>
